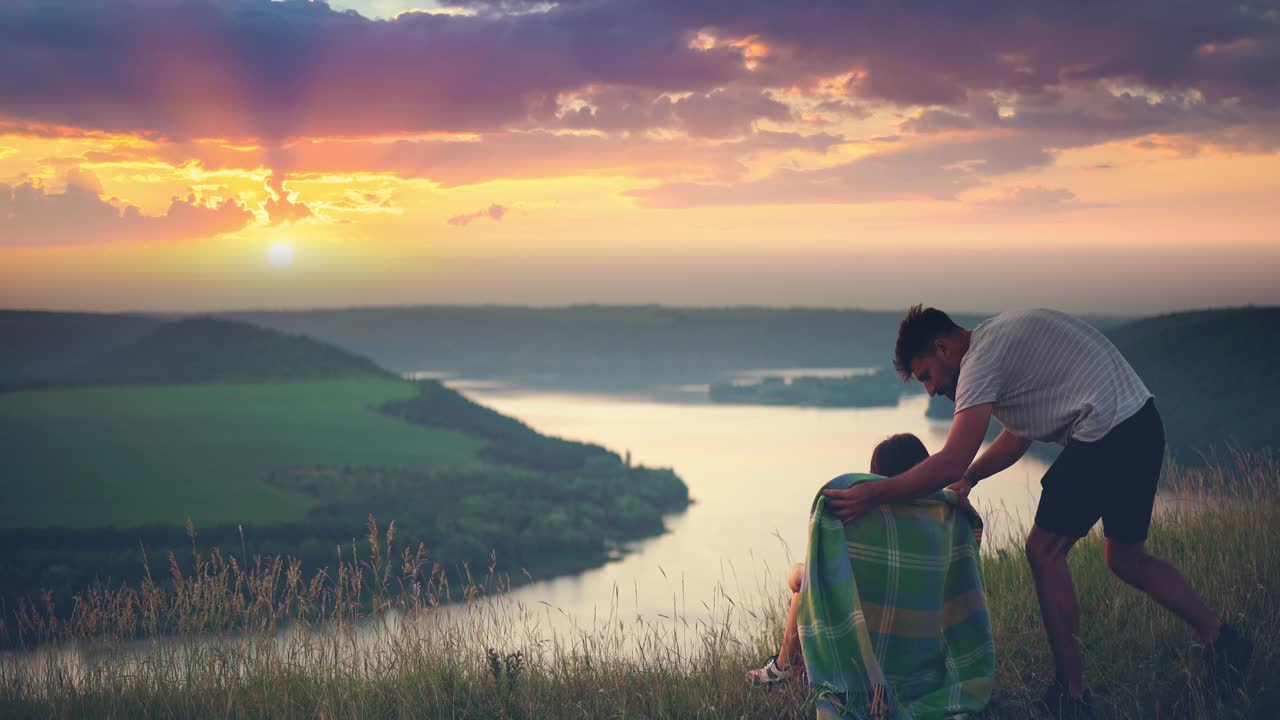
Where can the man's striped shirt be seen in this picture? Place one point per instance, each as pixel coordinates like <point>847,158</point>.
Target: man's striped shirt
<point>1049,377</point>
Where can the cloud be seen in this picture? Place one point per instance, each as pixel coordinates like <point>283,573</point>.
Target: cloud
<point>31,216</point>
<point>494,212</point>
<point>254,68</point>
<point>1099,111</point>
<point>1034,200</point>
<point>280,206</point>
<point>452,162</point>
<point>648,88</point>
<point>938,170</point>
<point>723,112</point>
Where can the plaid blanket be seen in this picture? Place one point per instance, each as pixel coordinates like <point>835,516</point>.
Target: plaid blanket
<point>893,620</point>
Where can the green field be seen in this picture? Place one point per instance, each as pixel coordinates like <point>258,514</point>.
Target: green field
<point>128,456</point>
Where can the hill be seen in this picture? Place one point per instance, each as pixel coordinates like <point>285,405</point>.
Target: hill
<point>206,349</point>
<point>276,444</point>
<point>40,346</point>
<point>296,468</point>
<point>500,658</point>
<point>1214,376</point>
<point>129,456</point>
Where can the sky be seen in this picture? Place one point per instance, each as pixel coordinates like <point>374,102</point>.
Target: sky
<point>194,155</point>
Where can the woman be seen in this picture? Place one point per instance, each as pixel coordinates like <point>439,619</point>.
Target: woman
<point>893,456</point>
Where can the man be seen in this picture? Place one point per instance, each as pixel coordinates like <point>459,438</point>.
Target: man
<point>1051,377</point>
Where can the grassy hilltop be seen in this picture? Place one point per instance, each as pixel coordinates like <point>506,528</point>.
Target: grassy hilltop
<point>492,659</point>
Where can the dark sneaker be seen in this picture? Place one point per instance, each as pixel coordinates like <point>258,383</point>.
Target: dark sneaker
<point>1064,706</point>
<point>769,674</point>
<point>1227,659</point>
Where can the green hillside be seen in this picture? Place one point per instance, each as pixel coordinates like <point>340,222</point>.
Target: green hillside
<point>1214,376</point>
<point>205,349</point>
<point>129,456</point>
<point>40,346</point>
<point>275,444</point>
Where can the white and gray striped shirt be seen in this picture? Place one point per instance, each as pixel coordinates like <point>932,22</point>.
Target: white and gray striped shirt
<point>1049,377</point>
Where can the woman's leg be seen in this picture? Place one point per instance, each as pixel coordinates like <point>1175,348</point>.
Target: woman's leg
<point>790,652</point>
<point>779,668</point>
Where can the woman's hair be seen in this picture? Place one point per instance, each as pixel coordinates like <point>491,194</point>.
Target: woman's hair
<point>897,454</point>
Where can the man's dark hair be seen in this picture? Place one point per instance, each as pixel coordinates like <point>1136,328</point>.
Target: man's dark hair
<point>897,454</point>
<point>916,334</point>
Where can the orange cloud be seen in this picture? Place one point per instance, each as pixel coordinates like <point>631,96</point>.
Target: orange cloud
<point>32,216</point>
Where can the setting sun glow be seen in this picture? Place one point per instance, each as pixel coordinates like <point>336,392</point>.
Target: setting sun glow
<point>280,255</point>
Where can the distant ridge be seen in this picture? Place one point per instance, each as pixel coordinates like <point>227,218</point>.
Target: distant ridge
<point>604,347</point>
<point>206,349</point>
<point>1214,373</point>
<point>37,346</point>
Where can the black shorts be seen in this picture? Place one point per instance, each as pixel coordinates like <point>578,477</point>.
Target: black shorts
<point>1113,478</point>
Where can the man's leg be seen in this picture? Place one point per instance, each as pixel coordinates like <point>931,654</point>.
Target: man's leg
<point>1047,554</point>
<point>1164,584</point>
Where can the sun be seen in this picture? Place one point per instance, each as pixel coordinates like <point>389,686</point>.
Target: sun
<point>280,255</point>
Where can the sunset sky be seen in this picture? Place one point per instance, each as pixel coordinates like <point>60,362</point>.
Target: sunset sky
<point>223,154</point>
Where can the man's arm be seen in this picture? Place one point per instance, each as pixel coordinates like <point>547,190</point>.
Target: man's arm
<point>968,429</point>
<point>1005,451</point>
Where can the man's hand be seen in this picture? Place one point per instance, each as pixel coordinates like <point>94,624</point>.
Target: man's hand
<point>851,503</point>
<point>961,487</point>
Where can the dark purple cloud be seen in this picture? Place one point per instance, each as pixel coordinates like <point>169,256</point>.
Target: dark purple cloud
<point>723,112</point>
<point>252,68</point>
<point>1097,113</point>
<point>31,215</point>
<point>274,69</point>
<point>926,52</point>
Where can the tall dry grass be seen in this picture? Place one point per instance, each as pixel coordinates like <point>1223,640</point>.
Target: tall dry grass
<point>255,637</point>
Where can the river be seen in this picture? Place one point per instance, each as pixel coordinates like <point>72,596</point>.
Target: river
<point>752,472</point>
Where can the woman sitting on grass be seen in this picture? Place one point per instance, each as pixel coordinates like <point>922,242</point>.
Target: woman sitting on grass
<point>893,456</point>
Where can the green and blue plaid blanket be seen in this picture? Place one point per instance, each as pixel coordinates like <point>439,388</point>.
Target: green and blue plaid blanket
<point>893,619</point>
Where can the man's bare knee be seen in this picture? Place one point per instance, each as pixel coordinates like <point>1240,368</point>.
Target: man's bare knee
<point>1126,561</point>
<point>794,577</point>
<point>1045,548</point>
